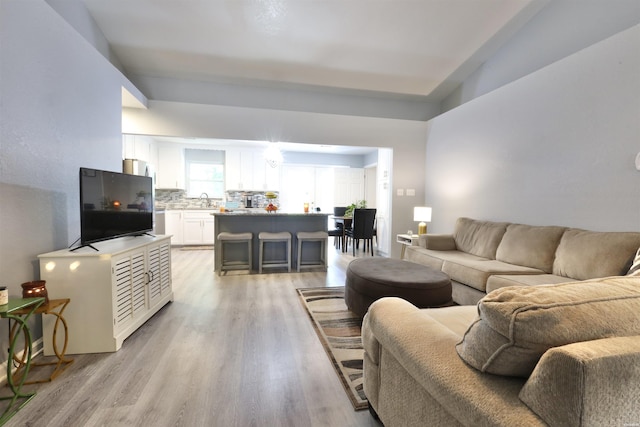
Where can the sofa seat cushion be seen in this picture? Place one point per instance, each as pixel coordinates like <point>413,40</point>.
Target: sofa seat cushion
<point>502,281</point>
<point>586,255</point>
<point>425,349</point>
<point>434,258</point>
<point>575,384</point>
<point>531,246</point>
<point>517,325</point>
<point>474,273</point>
<point>456,318</point>
<point>479,238</point>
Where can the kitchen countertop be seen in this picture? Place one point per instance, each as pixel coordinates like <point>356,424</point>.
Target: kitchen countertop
<point>262,212</point>
<point>190,208</point>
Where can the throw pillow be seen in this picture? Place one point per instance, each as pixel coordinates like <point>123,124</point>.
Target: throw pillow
<point>516,325</point>
<point>635,266</point>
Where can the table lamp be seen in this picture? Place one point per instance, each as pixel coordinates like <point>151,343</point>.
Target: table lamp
<point>422,214</point>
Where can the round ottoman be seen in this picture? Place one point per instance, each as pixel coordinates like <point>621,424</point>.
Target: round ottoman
<point>369,279</point>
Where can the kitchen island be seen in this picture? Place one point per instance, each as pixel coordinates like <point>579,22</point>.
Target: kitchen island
<point>255,221</point>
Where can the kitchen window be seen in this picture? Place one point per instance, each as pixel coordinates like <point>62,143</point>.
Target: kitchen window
<point>205,173</point>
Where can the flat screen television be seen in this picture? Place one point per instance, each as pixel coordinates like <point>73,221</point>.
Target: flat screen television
<point>114,204</point>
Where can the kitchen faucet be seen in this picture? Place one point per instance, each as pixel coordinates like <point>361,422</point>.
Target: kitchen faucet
<point>207,196</point>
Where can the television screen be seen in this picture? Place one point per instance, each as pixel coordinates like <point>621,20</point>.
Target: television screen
<point>114,204</point>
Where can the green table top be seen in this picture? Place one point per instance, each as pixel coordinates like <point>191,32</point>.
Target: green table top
<point>19,303</point>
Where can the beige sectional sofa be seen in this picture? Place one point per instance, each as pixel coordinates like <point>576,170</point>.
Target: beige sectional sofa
<point>481,256</point>
<point>565,352</point>
<point>561,355</point>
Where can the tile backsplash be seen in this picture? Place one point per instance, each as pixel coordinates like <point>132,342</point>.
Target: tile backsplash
<point>168,199</point>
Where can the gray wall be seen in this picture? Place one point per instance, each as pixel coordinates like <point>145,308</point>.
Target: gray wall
<point>554,147</point>
<point>61,109</point>
<point>561,28</point>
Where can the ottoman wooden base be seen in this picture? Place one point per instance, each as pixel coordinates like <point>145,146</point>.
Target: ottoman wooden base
<point>369,279</point>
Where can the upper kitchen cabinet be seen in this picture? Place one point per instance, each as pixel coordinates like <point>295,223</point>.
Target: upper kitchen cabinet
<point>248,170</point>
<point>139,147</point>
<point>170,172</point>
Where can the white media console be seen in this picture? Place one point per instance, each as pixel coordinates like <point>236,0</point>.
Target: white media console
<point>113,290</point>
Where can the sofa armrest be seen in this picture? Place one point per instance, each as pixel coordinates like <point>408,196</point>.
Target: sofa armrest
<point>587,383</point>
<point>437,242</point>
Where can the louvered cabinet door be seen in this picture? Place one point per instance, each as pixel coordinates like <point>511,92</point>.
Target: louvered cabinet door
<point>159,272</point>
<point>130,280</point>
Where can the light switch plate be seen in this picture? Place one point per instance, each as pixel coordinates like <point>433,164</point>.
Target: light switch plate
<point>638,161</point>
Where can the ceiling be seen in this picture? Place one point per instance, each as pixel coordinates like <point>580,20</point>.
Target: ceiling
<point>399,48</point>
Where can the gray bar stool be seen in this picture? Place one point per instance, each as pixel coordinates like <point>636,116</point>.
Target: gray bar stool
<point>313,236</point>
<point>282,237</point>
<point>228,238</point>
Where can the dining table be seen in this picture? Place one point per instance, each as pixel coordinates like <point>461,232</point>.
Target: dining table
<point>346,222</point>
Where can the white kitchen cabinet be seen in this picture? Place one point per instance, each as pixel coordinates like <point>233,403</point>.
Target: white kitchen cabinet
<point>198,227</point>
<point>248,170</point>
<point>170,172</point>
<point>113,290</point>
<point>272,178</point>
<point>232,168</point>
<point>139,147</point>
<point>173,226</point>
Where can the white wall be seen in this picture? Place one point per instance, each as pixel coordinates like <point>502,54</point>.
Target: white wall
<point>61,109</point>
<point>555,147</point>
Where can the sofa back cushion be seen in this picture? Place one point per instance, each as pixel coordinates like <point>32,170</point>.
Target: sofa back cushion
<point>517,325</point>
<point>530,246</point>
<point>586,255</point>
<point>479,238</point>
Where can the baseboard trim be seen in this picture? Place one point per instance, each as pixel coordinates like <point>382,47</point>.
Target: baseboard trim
<point>37,348</point>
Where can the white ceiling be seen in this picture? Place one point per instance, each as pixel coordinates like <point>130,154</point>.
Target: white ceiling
<point>399,48</point>
<point>396,47</point>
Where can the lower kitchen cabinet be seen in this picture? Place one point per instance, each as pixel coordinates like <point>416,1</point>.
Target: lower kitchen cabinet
<point>198,228</point>
<point>173,226</point>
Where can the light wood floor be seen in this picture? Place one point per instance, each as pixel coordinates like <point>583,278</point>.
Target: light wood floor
<point>235,350</point>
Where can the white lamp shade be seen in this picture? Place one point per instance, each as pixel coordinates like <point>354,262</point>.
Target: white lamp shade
<point>421,213</point>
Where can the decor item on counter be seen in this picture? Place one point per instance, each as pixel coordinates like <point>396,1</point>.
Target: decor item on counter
<point>339,332</point>
<point>271,196</point>
<point>422,214</point>
<point>271,208</point>
<point>305,206</point>
<point>35,289</point>
<point>360,204</point>
<point>273,155</point>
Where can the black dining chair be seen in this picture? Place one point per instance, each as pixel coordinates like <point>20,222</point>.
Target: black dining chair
<point>362,228</point>
<point>338,231</point>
